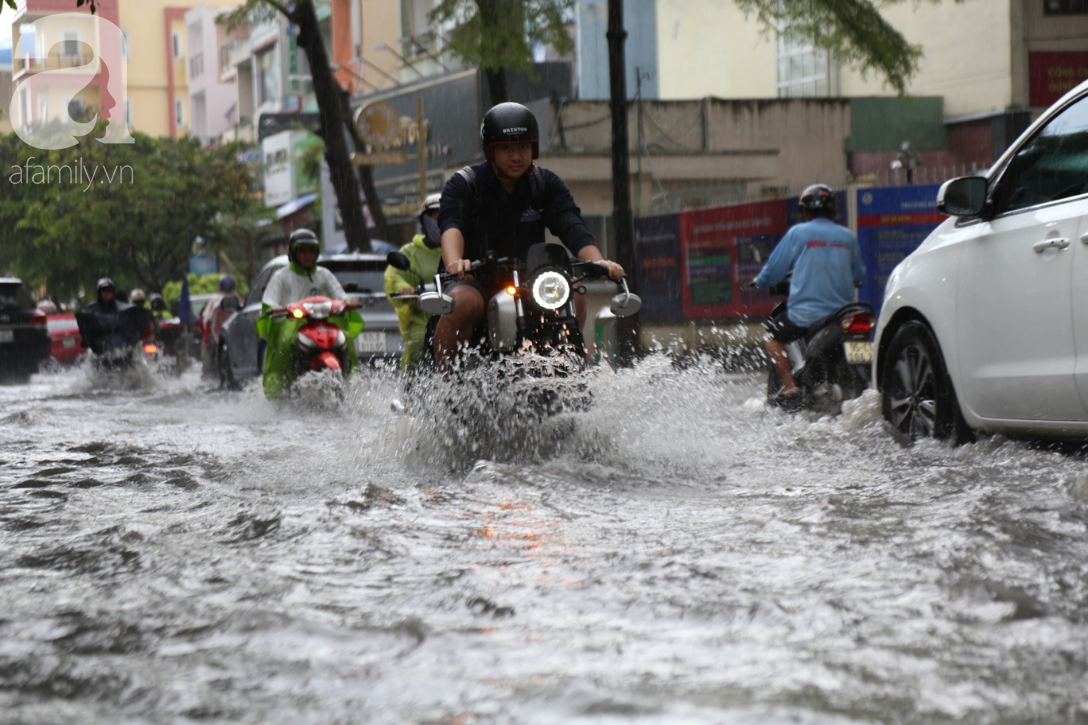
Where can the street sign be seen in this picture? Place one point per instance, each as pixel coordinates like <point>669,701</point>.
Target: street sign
<point>379,158</point>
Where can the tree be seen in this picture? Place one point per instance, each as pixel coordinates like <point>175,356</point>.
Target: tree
<point>485,36</point>
<point>334,112</point>
<point>127,211</point>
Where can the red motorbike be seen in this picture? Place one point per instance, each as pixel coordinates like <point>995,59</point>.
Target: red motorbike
<point>312,335</point>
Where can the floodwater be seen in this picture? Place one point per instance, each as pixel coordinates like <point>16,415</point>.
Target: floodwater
<point>678,553</point>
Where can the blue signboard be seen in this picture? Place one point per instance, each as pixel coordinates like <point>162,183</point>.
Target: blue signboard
<point>657,267</point>
<point>892,223</point>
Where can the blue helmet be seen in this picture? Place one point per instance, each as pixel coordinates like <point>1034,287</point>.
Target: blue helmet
<point>226,283</point>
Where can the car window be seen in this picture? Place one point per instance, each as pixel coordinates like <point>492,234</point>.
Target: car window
<point>256,292</point>
<point>359,280</point>
<point>61,323</point>
<point>1051,166</point>
<point>15,294</point>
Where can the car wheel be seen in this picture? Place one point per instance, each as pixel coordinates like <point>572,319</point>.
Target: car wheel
<point>917,398</point>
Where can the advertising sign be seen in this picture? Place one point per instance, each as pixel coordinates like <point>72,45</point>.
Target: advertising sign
<point>1052,75</point>
<point>892,222</point>
<point>708,253</point>
<point>657,267</point>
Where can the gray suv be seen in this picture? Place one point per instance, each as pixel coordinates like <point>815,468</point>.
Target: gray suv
<point>241,352</point>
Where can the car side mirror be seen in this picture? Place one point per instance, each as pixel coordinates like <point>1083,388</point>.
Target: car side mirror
<point>965,196</point>
<point>398,260</point>
<point>230,304</point>
<point>435,303</point>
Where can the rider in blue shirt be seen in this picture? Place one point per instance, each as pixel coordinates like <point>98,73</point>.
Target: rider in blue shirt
<point>826,263</point>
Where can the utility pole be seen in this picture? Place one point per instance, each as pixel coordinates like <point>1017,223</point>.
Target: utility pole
<point>623,226</point>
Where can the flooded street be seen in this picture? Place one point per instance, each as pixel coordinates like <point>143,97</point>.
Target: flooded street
<point>679,553</point>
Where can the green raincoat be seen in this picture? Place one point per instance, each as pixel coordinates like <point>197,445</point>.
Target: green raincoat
<point>413,321</point>
<point>279,354</point>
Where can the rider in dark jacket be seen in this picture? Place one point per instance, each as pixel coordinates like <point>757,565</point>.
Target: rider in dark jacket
<point>107,324</point>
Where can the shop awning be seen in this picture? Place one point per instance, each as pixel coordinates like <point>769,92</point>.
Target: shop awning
<point>292,206</point>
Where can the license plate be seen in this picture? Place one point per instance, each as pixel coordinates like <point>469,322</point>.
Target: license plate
<point>858,353</point>
<point>69,342</point>
<point>370,343</point>
<point>7,335</point>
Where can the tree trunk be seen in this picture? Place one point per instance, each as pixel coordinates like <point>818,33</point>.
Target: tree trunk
<point>623,230</point>
<point>496,85</point>
<point>492,20</point>
<point>366,176</point>
<point>333,122</point>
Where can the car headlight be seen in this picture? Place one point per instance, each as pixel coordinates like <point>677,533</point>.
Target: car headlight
<point>551,290</point>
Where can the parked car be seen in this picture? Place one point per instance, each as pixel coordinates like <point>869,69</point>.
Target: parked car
<point>360,275</point>
<point>985,326</point>
<point>64,339</point>
<point>24,342</point>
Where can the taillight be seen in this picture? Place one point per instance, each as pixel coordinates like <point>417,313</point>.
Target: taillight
<point>859,324</point>
<point>37,318</point>
<point>151,348</point>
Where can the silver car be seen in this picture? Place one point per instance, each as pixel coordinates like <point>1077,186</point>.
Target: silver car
<point>241,352</point>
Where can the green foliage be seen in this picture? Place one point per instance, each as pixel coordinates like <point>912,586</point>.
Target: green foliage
<point>127,211</point>
<point>199,284</point>
<point>486,34</point>
<point>853,30</point>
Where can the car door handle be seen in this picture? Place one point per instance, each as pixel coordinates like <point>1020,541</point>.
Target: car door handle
<point>1050,244</point>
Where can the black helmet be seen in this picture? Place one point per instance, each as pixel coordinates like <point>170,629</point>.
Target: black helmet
<point>106,283</point>
<point>157,302</point>
<point>819,199</point>
<point>509,123</point>
<point>302,238</point>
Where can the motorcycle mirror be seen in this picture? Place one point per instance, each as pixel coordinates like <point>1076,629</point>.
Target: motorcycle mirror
<point>435,303</point>
<point>398,260</point>
<point>626,304</point>
<point>230,304</point>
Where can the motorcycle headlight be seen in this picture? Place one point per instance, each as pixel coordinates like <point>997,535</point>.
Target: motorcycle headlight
<point>318,310</point>
<point>551,290</point>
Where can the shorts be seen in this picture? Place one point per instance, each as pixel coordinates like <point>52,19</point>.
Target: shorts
<point>783,329</point>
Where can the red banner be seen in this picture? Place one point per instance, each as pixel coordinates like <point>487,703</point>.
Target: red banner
<point>1055,74</point>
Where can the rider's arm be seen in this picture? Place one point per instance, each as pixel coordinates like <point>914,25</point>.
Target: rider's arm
<point>331,284</point>
<point>453,251</point>
<point>273,293</point>
<point>857,265</point>
<point>778,264</point>
<point>592,253</point>
<point>395,281</point>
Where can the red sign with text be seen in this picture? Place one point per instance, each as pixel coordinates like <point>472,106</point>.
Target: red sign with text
<point>1055,74</point>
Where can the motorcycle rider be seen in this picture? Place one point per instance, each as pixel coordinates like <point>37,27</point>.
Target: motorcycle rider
<point>500,208</point>
<point>158,307</point>
<point>138,298</point>
<point>300,279</point>
<point>212,317</point>
<point>107,324</point>
<point>424,253</point>
<point>826,263</point>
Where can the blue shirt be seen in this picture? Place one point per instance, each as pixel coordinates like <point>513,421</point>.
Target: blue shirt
<point>508,224</point>
<point>826,263</point>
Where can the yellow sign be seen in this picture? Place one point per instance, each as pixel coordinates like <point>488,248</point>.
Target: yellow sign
<point>379,158</point>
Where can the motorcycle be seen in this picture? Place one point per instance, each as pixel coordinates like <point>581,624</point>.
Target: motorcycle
<point>114,336</point>
<point>530,341</point>
<point>831,363</point>
<point>162,351</point>
<point>312,337</point>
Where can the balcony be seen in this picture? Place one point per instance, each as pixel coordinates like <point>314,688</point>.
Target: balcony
<point>28,66</point>
<point>241,50</point>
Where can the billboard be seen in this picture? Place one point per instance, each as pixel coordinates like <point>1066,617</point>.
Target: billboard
<point>657,267</point>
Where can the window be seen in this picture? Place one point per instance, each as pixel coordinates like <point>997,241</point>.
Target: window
<point>179,112</point>
<point>69,47</point>
<point>1052,165</point>
<point>176,44</point>
<point>804,71</point>
<point>1065,7</point>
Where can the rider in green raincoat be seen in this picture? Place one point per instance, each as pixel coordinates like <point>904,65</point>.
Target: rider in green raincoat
<point>424,253</point>
<point>301,278</point>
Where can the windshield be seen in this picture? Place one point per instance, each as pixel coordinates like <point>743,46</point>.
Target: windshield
<point>15,294</point>
<point>359,281</point>
<point>61,324</point>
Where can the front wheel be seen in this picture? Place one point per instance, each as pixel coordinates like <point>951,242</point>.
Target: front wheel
<point>917,398</point>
